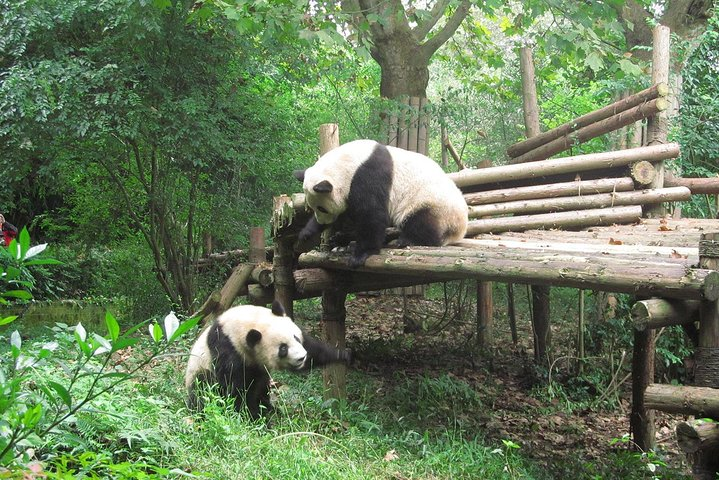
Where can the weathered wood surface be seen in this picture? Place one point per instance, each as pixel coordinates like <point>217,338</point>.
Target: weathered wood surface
<point>564,189</point>
<point>650,93</point>
<point>312,281</point>
<point>658,312</point>
<point>572,219</point>
<point>709,186</point>
<point>698,401</point>
<point>584,202</point>
<point>600,272</point>
<point>696,435</point>
<point>615,122</point>
<point>685,255</point>
<point>643,172</point>
<point>556,166</point>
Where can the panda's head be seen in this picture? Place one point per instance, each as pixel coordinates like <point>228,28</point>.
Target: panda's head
<point>265,337</point>
<point>325,196</point>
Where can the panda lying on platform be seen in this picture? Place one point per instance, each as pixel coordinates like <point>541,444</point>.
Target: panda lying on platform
<point>377,186</point>
<point>242,346</point>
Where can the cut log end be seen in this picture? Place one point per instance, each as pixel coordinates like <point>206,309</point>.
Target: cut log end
<point>643,172</point>
<point>711,286</point>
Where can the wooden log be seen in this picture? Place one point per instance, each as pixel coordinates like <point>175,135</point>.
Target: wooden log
<point>709,186</point>
<point>257,245</point>
<point>541,325</point>
<point>529,93</point>
<point>262,296</point>
<point>564,189</point>
<point>651,93</point>
<point>413,133</point>
<point>697,401</point>
<point>310,282</point>
<point>594,130</point>
<point>658,125</point>
<point>601,200</point>
<point>706,372</point>
<point>697,435</point>
<point>657,313</point>
<point>641,418</point>
<point>643,172</point>
<point>208,306</point>
<point>262,274</point>
<point>648,278</point>
<point>485,309</point>
<point>684,255</point>
<point>333,326</point>
<point>572,219</point>
<point>578,163</point>
<point>455,156</point>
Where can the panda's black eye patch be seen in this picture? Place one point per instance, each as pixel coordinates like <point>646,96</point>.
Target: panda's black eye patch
<point>283,351</point>
<point>322,209</point>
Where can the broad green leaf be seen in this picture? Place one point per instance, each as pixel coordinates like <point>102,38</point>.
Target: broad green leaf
<point>123,342</point>
<point>6,320</point>
<point>156,332</point>
<point>21,294</point>
<point>184,327</point>
<point>594,61</point>
<point>24,238</point>
<point>62,392</point>
<point>113,328</point>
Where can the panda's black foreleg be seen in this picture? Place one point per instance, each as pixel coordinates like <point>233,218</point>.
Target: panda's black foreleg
<point>370,236</point>
<point>320,353</point>
<point>312,228</point>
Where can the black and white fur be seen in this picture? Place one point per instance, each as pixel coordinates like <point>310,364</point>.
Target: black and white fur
<point>378,186</point>
<point>240,349</point>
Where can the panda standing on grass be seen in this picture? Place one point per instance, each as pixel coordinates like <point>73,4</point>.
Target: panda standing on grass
<point>240,349</point>
<point>376,186</point>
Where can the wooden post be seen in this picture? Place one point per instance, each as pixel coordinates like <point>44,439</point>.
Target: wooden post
<point>485,309</point>
<point>333,300</point>
<point>580,334</point>
<point>333,326</point>
<point>511,314</point>
<point>641,420</point>
<point>658,125</point>
<point>257,245</point>
<point>706,373</point>
<point>540,293</point>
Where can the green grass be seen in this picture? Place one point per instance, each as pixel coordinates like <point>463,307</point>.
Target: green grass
<point>403,424</point>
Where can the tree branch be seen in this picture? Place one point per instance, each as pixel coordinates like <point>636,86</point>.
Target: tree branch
<point>423,28</point>
<point>431,45</point>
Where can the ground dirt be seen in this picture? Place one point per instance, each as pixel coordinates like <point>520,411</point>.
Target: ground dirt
<point>521,411</point>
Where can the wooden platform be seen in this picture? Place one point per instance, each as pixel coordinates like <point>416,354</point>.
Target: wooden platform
<point>653,258</point>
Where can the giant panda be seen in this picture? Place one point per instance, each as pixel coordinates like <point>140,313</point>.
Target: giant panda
<point>376,186</point>
<point>240,349</point>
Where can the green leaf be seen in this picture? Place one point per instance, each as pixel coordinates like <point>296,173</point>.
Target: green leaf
<point>62,392</point>
<point>594,61</point>
<point>113,329</point>
<point>35,250</point>
<point>24,238</point>
<point>21,294</point>
<point>43,261</point>
<point>123,342</point>
<point>6,320</point>
<point>156,332</point>
<point>184,327</point>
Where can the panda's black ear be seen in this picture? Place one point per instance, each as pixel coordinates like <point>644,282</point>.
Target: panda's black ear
<point>299,174</point>
<point>323,187</point>
<point>278,309</point>
<point>253,338</point>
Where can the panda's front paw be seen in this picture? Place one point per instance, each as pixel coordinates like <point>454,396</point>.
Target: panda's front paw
<point>356,260</point>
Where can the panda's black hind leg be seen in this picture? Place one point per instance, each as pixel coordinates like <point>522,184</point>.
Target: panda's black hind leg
<point>421,228</point>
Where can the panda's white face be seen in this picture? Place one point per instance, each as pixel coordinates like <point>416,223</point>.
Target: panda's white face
<point>279,346</point>
<point>323,198</point>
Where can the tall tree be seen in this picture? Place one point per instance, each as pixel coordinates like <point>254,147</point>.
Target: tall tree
<point>402,41</point>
